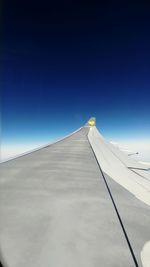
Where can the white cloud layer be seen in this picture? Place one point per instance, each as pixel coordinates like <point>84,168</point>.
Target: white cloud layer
<point>12,150</point>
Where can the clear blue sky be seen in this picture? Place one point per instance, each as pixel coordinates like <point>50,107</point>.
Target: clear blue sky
<point>63,63</point>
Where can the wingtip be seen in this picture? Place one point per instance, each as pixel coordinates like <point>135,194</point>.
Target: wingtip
<point>91,122</point>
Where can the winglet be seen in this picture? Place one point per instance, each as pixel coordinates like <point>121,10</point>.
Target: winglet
<point>91,122</point>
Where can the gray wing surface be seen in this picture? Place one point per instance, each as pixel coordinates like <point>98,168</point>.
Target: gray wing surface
<point>56,210</point>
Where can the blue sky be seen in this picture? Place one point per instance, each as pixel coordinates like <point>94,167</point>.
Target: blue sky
<point>66,62</point>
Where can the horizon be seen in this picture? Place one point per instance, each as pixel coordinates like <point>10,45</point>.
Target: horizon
<point>11,150</point>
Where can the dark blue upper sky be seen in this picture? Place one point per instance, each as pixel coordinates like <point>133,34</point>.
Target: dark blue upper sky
<point>65,62</point>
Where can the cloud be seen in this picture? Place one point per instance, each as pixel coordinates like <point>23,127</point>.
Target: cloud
<point>12,150</point>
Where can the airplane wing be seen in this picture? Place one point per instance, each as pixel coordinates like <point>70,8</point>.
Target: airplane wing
<point>78,202</point>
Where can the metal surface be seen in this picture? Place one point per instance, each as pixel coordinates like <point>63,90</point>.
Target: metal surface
<point>55,210</point>
<point>135,217</point>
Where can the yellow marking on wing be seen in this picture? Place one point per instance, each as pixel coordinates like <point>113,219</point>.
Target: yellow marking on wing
<point>91,122</point>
